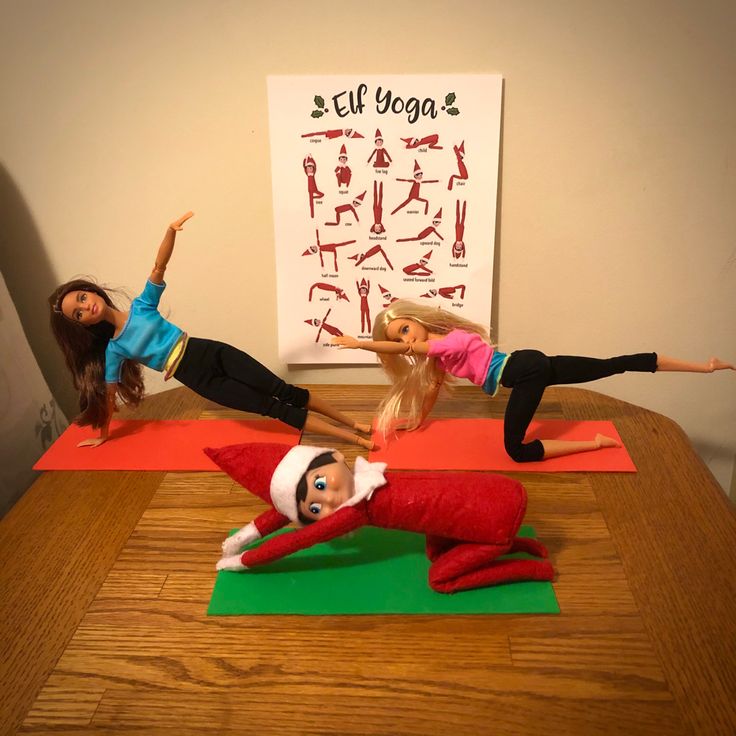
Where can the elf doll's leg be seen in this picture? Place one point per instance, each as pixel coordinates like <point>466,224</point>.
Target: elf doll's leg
<point>467,566</point>
<point>530,546</point>
<point>436,546</point>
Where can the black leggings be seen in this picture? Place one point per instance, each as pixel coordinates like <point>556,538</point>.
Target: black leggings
<point>230,377</point>
<point>528,372</point>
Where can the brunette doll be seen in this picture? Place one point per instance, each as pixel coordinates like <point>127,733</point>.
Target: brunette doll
<point>105,346</point>
<point>420,347</point>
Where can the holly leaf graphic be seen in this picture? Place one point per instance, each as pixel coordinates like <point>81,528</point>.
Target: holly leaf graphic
<point>449,99</point>
<point>453,111</point>
<point>319,101</point>
<point>317,113</point>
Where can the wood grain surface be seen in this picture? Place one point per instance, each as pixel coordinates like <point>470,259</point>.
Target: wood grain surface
<point>106,578</point>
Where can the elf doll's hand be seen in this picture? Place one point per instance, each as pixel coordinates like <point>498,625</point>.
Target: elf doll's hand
<point>231,563</point>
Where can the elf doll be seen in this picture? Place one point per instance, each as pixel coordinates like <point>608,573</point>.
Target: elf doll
<point>470,519</point>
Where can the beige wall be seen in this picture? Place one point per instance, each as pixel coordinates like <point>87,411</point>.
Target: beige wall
<point>616,217</point>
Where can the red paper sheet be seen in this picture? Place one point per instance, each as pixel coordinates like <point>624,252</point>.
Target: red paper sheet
<point>477,444</point>
<point>159,445</point>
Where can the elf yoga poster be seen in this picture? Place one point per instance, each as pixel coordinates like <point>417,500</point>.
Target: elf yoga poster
<point>384,187</point>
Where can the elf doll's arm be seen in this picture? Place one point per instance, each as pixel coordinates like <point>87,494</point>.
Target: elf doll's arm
<point>344,520</point>
<point>263,525</point>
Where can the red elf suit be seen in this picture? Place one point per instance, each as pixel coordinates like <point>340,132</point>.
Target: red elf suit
<point>469,519</point>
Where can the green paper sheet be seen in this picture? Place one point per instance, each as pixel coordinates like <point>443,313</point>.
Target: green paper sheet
<point>372,571</point>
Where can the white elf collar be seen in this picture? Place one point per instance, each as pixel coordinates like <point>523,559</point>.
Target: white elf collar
<point>367,477</point>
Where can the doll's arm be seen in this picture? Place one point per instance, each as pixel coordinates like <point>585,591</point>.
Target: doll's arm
<point>112,389</point>
<point>431,398</point>
<point>386,347</point>
<point>166,249</point>
<point>341,522</point>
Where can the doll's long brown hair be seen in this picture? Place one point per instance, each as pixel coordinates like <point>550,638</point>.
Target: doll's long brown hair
<point>84,352</point>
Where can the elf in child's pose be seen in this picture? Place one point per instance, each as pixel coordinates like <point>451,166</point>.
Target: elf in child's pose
<point>470,519</point>
<point>105,346</point>
<point>420,347</point>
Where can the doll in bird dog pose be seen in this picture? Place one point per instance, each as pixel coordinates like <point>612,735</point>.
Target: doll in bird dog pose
<point>420,347</point>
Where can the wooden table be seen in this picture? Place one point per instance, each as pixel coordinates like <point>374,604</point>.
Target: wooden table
<point>106,576</point>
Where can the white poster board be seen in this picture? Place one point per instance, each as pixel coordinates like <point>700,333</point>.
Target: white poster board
<point>384,187</point>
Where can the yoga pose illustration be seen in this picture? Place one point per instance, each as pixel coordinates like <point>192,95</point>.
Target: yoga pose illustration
<point>383,160</point>
<point>310,169</point>
<point>322,248</point>
<point>416,183</point>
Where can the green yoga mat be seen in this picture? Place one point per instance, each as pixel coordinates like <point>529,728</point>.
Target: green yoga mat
<point>373,571</point>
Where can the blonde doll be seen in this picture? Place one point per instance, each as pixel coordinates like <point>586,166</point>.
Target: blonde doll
<point>104,348</point>
<point>420,347</point>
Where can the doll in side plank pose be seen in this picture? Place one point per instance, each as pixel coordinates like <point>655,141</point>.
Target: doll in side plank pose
<point>104,347</point>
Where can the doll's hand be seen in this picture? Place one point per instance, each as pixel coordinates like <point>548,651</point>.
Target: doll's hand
<point>230,563</point>
<point>346,342</point>
<point>177,224</point>
<point>92,442</point>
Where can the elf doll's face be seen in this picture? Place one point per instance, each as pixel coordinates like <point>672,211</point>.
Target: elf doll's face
<point>328,488</point>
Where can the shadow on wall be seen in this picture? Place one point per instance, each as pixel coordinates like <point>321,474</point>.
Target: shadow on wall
<point>30,280</point>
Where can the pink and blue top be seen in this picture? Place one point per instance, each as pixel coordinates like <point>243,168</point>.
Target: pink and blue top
<point>467,355</point>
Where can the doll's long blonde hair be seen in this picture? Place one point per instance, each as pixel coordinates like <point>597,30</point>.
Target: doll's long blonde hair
<point>413,376</point>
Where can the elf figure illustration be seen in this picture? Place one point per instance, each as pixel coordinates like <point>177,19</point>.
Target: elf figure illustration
<point>322,324</point>
<point>470,519</point>
<point>364,288</point>
<point>462,174</point>
<point>375,250</point>
<point>416,183</point>
<point>458,247</point>
<point>383,160</point>
<point>335,133</point>
<point>377,227</point>
<point>421,268</point>
<point>345,208</point>
<point>336,290</point>
<point>429,230</point>
<point>310,169</point>
<point>342,170</point>
<point>387,297</point>
<point>323,248</point>
<point>430,141</point>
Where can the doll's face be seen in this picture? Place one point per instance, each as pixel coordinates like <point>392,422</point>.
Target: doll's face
<point>85,307</point>
<point>343,159</point>
<point>406,330</point>
<point>379,142</point>
<point>328,488</point>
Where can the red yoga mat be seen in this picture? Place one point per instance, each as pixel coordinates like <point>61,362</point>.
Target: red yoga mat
<point>477,444</point>
<point>159,445</point>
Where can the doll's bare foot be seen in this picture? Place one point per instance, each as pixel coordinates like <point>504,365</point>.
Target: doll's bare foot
<point>602,441</point>
<point>716,364</point>
<point>367,444</point>
<point>362,427</point>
